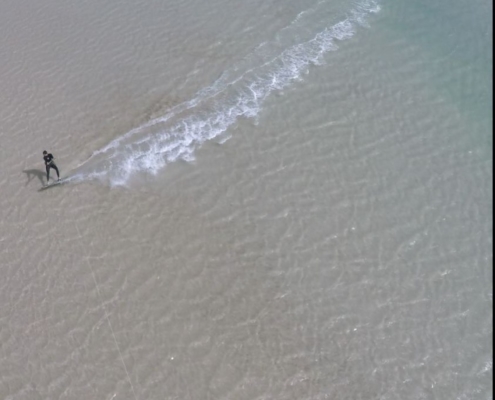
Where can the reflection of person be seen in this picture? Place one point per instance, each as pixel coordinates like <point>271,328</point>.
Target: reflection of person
<point>49,163</point>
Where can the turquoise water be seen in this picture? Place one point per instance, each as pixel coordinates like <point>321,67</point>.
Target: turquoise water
<point>456,41</point>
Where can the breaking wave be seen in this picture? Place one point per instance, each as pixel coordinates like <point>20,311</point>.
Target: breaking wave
<point>239,92</point>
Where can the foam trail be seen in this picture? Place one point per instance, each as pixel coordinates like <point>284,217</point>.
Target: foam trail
<point>239,92</point>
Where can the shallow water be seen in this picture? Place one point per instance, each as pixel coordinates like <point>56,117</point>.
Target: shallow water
<point>288,201</point>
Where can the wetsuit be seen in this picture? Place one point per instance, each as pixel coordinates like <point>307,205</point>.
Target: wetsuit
<point>49,163</point>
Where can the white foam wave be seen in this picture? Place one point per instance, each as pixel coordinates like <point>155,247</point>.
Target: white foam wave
<point>238,93</point>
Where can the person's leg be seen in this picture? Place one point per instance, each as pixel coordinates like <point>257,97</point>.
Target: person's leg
<point>47,173</point>
<point>56,170</point>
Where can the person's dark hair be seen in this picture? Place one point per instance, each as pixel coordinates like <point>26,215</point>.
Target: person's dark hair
<point>45,152</point>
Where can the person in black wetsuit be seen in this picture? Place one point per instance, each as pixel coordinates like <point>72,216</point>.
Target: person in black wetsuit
<point>49,163</point>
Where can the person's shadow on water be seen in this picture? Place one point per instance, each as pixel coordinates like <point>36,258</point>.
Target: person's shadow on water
<point>34,173</point>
